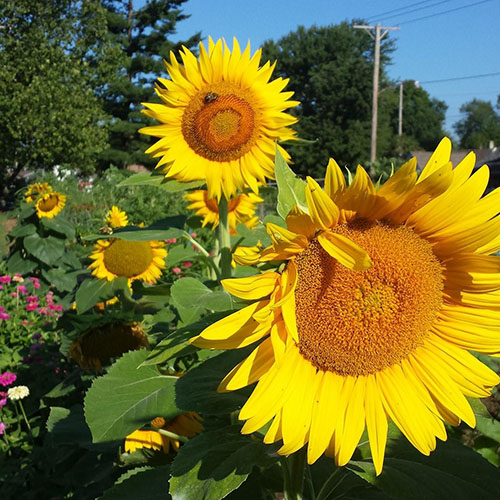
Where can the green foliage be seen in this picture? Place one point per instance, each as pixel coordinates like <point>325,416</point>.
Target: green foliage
<point>291,189</point>
<point>143,36</point>
<point>479,126</point>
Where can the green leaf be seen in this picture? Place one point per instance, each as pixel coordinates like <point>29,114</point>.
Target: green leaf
<point>180,253</point>
<point>63,280</point>
<point>152,179</point>
<point>59,225</point>
<point>197,390</point>
<point>189,291</point>
<point>291,189</point>
<point>19,264</point>
<point>49,250</point>
<point>451,471</point>
<point>22,230</point>
<point>68,426</point>
<point>91,292</point>
<point>143,483</point>
<point>214,463</point>
<point>128,397</point>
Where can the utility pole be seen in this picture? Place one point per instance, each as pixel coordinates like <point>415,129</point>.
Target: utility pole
<point>400,121</point>
<point>379,35</point>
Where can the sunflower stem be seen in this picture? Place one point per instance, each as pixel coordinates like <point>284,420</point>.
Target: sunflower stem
<point>224,239</point>
<point>172,435</point>
<point>293,474</point>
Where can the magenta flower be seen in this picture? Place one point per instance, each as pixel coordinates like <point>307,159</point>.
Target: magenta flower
<point>171,240</point>
<point>3,399</point>
<point>187,264</point>
<point>14,294</point>
<point>7,378</point>
<point>5,279</point>
<point>176,270</point>
<point>32,306</point>
<point>2,428</point>
<point>22,289</point>
<point>3,314</point>
<point>1,287</point>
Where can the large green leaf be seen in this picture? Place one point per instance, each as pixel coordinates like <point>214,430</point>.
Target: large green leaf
<point>152,179</point>
<point>49,250</point>
<point>128,397</point>
<point>67,426</point>
<point>197,390</point>
<point>291,189</point>
<point>91,292</point>
<point>19,264</point>
<point>22,230</point>
<point>63,280</point>
<point>180,253</point>
<point>141,483</point>
<point>187,292</point>
<point>214,463</point>
<point>451,471</point>
<point>59,225</point>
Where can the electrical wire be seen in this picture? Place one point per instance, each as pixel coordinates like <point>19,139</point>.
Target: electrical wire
<point>416,10</point>
<point>460,78</point>
<point>398,9</point>
<point>443,12</point>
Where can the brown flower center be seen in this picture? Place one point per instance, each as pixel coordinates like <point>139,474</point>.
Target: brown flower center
<point>220,122</point>
<point>360,322</point>
<point>48,203</point>
<point>128,258</point>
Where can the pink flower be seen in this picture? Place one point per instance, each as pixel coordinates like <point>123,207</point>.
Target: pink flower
<point>187,264</point>
<point>32,298</point>
<point>1,287</point>
<point>7,378</point>
<point>3,399</point>
<point>31,307</point>
<point>22,289</point>
<point>176,270</point>
<point>194,235</point>
<point>2,428</point>
<point>14,294</point>
<point>5,279</point>
<point>3,314</point>
<point>25,322</point>
<point>36,284</point>
<point>43,310</point>
<point>171,240</point>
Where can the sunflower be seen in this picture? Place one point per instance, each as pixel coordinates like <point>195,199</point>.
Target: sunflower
<point>49,204</point>
<point>116,217</point>
<point>371,314</point>
<point>99,345</point>
<point>220,119</point>
<point>241,208</point>
<point>187,425</point>
<point>135,260</point>
<point>34,190</point>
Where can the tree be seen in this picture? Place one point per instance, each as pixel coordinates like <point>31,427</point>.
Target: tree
<point>331,70</point>
<point>50,63</point>
<point>143,36</point>
<point>479,126</point>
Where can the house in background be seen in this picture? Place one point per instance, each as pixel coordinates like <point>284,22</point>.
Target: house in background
<point>490,157</point>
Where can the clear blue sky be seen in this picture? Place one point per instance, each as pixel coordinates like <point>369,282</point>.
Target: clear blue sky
<point>459,43</point>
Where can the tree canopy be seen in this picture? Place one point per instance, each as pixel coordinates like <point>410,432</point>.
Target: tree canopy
<point>479,126</point>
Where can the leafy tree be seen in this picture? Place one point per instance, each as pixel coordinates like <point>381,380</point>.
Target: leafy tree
<point>50,62</point>
<point>480,125</point>
<point>143,36</point>
<point>331,70</point>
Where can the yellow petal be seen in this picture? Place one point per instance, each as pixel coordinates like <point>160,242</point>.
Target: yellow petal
<point>251,287</point>
<point>334,180</point>
<point>440,157</point>
<point>345,251</point>
<point>322,209</point>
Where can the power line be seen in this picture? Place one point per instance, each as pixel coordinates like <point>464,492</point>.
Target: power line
<point>377,16</point>
<point>416,10</point>
<point>462,77</point>
<point>444,12</point>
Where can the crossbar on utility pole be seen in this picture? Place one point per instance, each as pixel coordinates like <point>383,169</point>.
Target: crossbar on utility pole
<point>378,36</point>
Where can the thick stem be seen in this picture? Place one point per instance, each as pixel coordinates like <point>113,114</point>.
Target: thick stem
<point>224,240</point>
<point>293,474</point>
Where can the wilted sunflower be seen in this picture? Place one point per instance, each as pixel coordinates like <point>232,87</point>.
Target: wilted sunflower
<point>49,204</point>
<point>99,345</point>
<point>380,297</point>
<point>116,217</point>
<point>241,208</point>
<point>135,260</point>
<point>35,190</point>
<point>187,425</point>
<point>246,256</point>
<point>220,119</point>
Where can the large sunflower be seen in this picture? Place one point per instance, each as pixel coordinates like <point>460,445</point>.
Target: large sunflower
<point>220,119</point>
<point>49,204</point>
<point>241,208</point>
<point>35,190</point>
<point>187,425</point>
<point>380,297</point>
<point>135,260</point>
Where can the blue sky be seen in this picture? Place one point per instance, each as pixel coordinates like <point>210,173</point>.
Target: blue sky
<point>459,43</point>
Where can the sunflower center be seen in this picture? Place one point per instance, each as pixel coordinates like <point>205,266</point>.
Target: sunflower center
<point>47,204</point>
<point>128,258</point>
<point>360,322</point>
<point>220,122</point>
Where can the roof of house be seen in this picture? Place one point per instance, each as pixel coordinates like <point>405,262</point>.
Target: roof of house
<point>491,157</point>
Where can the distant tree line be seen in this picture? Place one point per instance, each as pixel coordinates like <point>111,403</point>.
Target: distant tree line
<point>73,75</point>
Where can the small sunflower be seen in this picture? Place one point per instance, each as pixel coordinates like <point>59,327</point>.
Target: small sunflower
<point>35,190</point>
<point>371,314</point>
<point>220,119</point>
<point>135,260</point>
<point>186,425</point>
<point>116,217</point>
<point>49,204</point>
<point>241,208</point>
<point>99,345</point>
